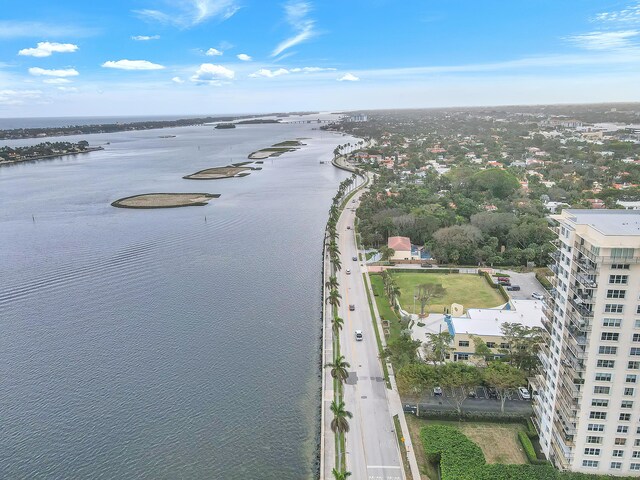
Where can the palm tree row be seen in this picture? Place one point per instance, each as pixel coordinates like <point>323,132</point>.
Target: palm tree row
<point>391,289</point>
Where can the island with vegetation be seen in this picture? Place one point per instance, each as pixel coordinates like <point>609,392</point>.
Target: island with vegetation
<point>40,151</point>
<point>165,200</point>
<point>276,150</point>
<point>230,171</point>
<point>223,126</point>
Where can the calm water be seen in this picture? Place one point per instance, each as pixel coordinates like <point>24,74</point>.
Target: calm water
<point>175,343</point>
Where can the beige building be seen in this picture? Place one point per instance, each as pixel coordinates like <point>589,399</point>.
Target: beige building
<point>587,410</point>
<point>402,248</point>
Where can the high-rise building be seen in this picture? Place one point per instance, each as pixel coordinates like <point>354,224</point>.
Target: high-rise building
<point>587,409</point>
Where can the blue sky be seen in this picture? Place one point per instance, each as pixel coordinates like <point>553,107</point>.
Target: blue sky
<point>138,57</point>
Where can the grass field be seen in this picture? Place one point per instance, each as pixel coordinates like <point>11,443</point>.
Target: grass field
<point>383,307</point>
<point>498,441</point>
<point>471,291</point>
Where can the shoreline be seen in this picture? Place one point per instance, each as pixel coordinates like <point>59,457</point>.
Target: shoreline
<point>49,157</point>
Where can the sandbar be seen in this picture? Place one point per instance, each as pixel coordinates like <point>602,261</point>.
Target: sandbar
<point>165,200</point>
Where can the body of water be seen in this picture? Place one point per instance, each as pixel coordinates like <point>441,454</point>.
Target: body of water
<point>169,343</point>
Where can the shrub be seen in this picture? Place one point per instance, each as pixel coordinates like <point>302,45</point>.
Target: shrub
<point>529,450</point>
<point>544,281</point>
<point>531,430</point>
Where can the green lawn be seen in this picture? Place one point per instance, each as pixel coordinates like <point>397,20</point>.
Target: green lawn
<point>383,307</point>
<point>471,291</point>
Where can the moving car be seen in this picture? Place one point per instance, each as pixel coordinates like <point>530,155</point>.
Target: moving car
<point>524,393</point>
<point>352,307</point>
<point>437,391</point>
<point>359,336</point>
<point>348,272</point>
<point>537,296</point>
<point>348,227</point>
<point>355,259</point>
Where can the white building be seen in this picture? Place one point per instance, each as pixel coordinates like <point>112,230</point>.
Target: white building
<point>587,410</point>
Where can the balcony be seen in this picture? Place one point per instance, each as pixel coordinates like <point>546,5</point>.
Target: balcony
<point>587,282</point>
<point>560,458</point>
<point>546,323</point>
<point>581,307</point>
<point>606,259</point>
<point>555,255</point>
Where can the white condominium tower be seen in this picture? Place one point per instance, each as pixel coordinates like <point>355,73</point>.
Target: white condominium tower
<point>587,410</point>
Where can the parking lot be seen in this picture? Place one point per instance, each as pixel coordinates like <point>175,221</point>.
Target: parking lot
<point>527,283</point>
<point>482,402</point>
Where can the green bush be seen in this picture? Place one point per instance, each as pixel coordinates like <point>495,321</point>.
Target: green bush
<point>529,449</point>
<point>531,430</point>
<point>492,417</point>
<point>544,281</point>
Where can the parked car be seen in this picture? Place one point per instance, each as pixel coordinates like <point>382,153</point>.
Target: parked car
<point>504,283</point>
<point>513,288</point>
<point>524,393</point>
<point>359,336</point>
<point>425,265</point>
<point>437,391</point>
<point>352,307</point>
<point>473,394</point>
<point>504,279</point>
<point>537,296</point>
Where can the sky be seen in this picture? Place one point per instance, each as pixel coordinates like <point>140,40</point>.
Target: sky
<point>192,57</point>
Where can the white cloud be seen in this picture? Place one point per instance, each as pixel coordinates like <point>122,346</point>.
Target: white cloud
<point>145,38</point>
<point>213,52</point>
<point>189,13</point>
<point>244,57</point>
<point>68,89</point>
<point>265,72</point>
<point>629,15</point>
<point>621,39</point>
<point>17,97</point>
<point>132,65</point>
<point>67,72</point>
<point>212,74</point>
<point>312,69</point>
<point>296,16</point>
<point>18,29</point>
<point>56,81</point>
<point>348,77</point>
<point>45,49</point>
<point>177,80</point>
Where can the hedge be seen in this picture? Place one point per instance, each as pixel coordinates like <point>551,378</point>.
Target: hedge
<point>492,417</point>
<point>427,270</point>
<point>492,284</point>
<point>462,459</point>
<point>531,430</point>
<point>544,281</point>
<point>529,450</point>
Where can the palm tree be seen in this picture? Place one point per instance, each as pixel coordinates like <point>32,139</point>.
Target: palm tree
<point>340,424</point>
<point>337,264</point>
<point>339,368</point>
<point>336,325</point>
<point>334,298</point>
<point>340,474</point>
<point>332,283</point>
<point>333,249</point>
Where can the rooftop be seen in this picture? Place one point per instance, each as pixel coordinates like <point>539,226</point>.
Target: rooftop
<point>607,222</point>
<point>399,244</point>
<point>487,321</point>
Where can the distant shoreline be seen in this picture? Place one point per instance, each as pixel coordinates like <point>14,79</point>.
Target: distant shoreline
<point>53,155</point>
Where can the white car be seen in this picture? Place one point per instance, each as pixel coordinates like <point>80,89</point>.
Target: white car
<point>524,393</point>
<point>348,272</point>
<point>437,391</point>
<point>537,296</point>
<point>359,336</point>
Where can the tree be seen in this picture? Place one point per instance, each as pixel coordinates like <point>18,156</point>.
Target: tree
<point>483,352</point>
<point>415,378</point>
<point>339,368</point>
<point>386,253</point>
<point>402,350</point>
<point>333,249</point>
<point>437,347</point>
<point>426,292</point>
<point>332,283</point>
<point>340,474</point>
<point>522,345</point>
<point>337,264</point>
<point>340,424</point>
<point>502,377</point>
<point>334,298</point>
<point>459,378</point>
<point>451,244</point>
<point>336,325</point>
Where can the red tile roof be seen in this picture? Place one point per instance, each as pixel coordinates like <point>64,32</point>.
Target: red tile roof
<point>399,243</point>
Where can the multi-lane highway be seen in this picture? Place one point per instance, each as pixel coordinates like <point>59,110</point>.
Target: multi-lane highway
<point>372,451</point>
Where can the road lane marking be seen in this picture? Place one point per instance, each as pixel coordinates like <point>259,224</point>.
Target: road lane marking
<point>384,466</point>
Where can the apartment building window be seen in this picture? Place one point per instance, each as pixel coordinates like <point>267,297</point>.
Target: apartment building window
<point>634,351</point>
<point>637,443</point>
<point>628,392</point>
<point>592,463</point>
<point>603,377</point>
<point>621,252</point>
<point>491,344</point>
<point>626,404</point>
<point>592,439</point>
<point>595,427</point>
<point>610,336</point>
<point>622,429</point>
<point>599,402</point>
<point>616,465</point>
<point>620,266</point>
<point>463,343</point>
<point>504,345</point>
<point>635,454</point>
<point>616,293</point>
<point>591,451</point>
<point>637,432</point>
<point>601,390</point>
<point>637,324</point>
<point>636,337</point>
<point>630,378</point>
<point>611,322</point>
<point>638,310</point>
<point>598,415</point>
<point>607,350</point>
<point>462,356</point>
<point>620,441</point>
<point>633,365</point>
<point>634,466</point>
<point>606,363</point>
<point>613,308</point>
<point>619,279</point>
<point>625,417</point>
<point>617,453</point>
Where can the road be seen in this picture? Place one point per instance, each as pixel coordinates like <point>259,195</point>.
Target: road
<point>372,451</point>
